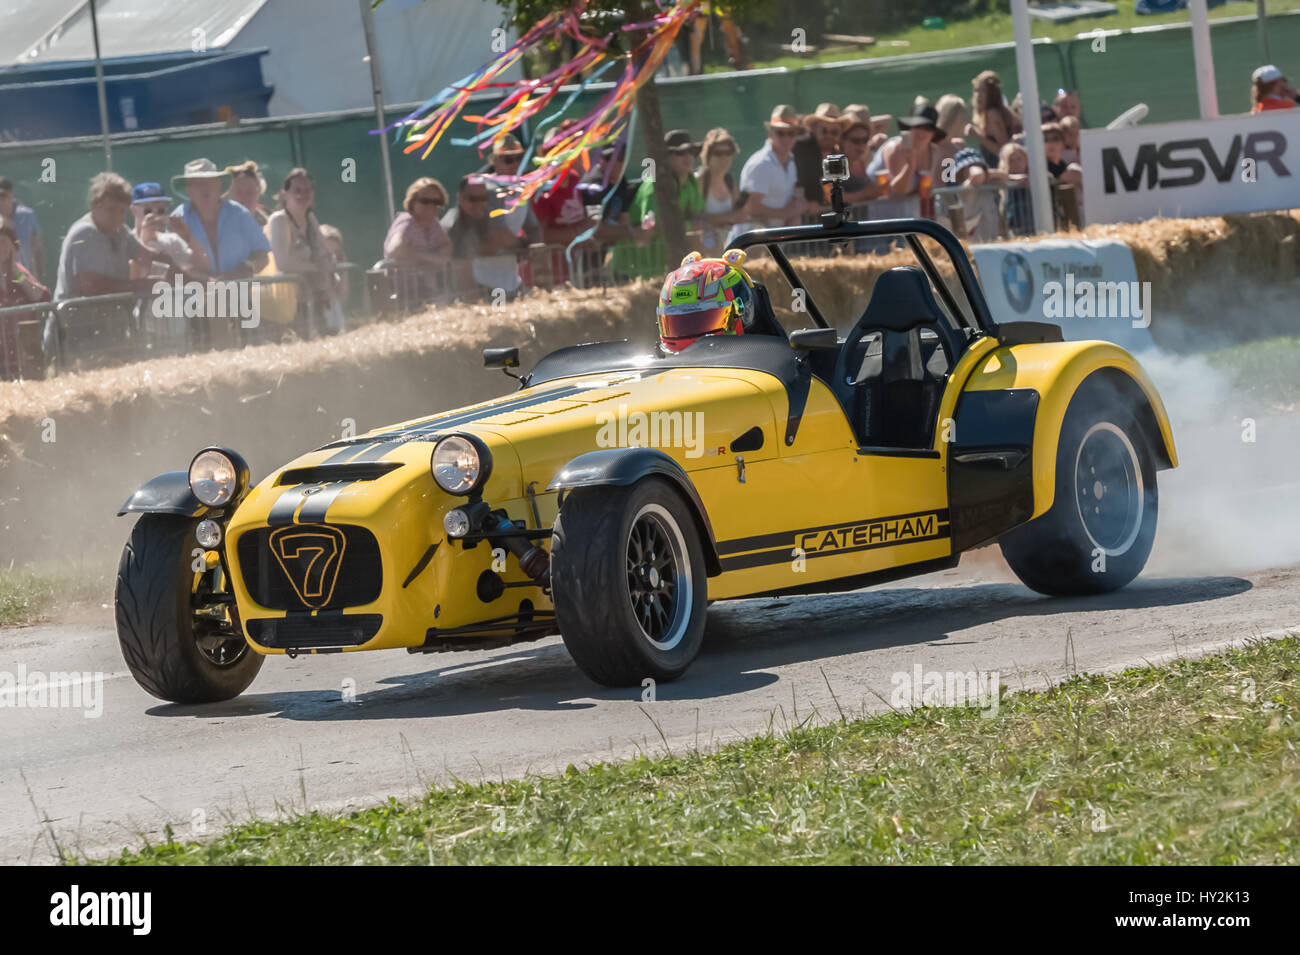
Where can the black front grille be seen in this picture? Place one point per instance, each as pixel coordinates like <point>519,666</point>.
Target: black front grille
<point>334,630</point>
<point>310,566</point>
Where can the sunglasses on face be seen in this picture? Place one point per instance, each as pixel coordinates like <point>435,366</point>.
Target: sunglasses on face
<point>858,140</point>
<point>475,198</point>
<point>429,201</point>
<point>512,160</point>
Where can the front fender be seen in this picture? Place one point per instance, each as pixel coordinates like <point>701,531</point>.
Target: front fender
<point>1057,370</point>
<point>621,467</point>
<point>168,493</point>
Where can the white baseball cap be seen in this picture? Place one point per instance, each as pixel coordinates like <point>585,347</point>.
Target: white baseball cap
<point>1266,74</point>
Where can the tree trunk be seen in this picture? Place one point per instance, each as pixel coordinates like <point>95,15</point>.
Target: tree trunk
<point>669,221</point>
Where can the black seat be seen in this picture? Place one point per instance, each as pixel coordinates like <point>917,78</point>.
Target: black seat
<point>889,372</point>
<point>764,320</point>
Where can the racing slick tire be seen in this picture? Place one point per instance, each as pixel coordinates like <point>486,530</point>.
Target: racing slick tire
<point>629,582</point>
<point>1098,533</point>
<point>164,645</point>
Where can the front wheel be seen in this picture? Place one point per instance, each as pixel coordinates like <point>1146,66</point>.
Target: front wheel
<point>629,582</point>
<point>174,620</point>
<point>1098,533</point>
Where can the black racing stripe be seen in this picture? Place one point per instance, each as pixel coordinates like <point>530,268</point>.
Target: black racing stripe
<point>341,456</point>
<point>516,404</point>
<point>376,451</point>
<point>786,555</point>
<point>287,505</point>
<point>740,544</point>
<point>313,512</point>
<point>417,431</point>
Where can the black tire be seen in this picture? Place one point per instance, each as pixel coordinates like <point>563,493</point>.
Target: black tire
<point>617,634</point>
<point>156,624</point>
<point>1102,448</point>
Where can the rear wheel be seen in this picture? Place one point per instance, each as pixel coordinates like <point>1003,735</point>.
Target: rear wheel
<point>629,582</point>
<point>1098,533</point>
<point>175,623</point>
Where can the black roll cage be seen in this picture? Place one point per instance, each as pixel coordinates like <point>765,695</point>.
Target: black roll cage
<point>837,225</point>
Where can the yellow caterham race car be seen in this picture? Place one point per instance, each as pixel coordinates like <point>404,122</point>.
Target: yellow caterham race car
<point>622,488</point>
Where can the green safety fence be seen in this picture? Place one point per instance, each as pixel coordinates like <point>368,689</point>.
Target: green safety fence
<point>1153,66</point>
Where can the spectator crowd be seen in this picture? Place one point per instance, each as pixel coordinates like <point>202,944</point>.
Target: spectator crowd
<point>961,161</point>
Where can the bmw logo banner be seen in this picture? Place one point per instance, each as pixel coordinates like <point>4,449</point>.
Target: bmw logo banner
<point>1089,287</point>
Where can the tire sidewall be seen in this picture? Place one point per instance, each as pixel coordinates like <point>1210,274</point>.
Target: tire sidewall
<point>1085,414</point>
<point>658,661</point>
<point>169,543</point>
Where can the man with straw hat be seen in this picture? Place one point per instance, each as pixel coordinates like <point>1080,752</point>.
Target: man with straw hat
<point>226,230</point>
<point>825,125</point>
<point>769,177</point>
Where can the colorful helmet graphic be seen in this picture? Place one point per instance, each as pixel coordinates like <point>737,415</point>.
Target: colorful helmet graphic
<point>705,297</point>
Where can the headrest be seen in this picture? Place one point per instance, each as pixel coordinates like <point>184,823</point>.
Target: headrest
<point>901,301</point>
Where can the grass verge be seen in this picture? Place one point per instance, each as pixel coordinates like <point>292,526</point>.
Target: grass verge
<point>997,28</point>
<point>1194,762</point>
<point>1266,370</point>
<point>29,595</point>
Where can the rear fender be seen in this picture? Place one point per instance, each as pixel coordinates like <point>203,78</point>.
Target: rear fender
<point>1058,371</point>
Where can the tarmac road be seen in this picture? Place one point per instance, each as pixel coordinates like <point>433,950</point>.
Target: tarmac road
<point>293,741</point>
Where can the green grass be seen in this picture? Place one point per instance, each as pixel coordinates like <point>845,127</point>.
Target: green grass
<point>31,594</point>
<point>1195,762</point>
<point>1265,370</point>
<point>996,28</point>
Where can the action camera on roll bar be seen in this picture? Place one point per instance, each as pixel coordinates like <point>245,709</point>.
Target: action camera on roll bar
<point>835,170</point>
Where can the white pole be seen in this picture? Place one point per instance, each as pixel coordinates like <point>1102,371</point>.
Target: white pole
<point>103,97</point>
<point>377,87</point>
<point>1040,190</point>
<point>1206,91</point>
<point>1261,31</point>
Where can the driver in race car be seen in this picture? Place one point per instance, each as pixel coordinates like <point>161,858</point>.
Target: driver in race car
<point>705,297</point>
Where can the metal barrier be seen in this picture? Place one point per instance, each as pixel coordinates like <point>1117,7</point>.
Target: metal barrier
<point>1001,210</point>
<point>22,354</point>
<point>99,330</point>
<point>354,290</point>
<point>93,331</point>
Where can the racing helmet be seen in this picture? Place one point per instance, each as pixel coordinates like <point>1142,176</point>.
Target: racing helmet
<point>705,297</point>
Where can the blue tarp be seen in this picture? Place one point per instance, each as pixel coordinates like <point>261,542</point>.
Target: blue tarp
<point>60,99</point>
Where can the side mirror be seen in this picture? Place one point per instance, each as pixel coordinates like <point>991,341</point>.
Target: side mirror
<point>814,339</point>
<point>501,357</point>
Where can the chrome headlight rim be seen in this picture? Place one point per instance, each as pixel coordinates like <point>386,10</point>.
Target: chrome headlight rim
<point>484,464</point>
<point>239,481</point>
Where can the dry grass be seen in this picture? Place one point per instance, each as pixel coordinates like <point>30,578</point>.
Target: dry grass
<point>1174,255</point>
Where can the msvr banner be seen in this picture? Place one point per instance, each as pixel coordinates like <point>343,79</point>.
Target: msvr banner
<point>1197,168</point>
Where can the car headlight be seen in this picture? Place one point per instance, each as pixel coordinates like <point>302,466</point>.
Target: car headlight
<point>217,476</point>
<point>460,464</point>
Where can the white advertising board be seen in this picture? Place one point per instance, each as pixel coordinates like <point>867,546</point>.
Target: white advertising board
<point>1089,287</point>
<point>1247,163</point>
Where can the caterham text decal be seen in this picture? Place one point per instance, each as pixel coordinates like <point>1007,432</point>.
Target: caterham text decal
<point>846,538</point>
